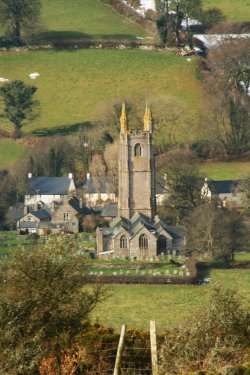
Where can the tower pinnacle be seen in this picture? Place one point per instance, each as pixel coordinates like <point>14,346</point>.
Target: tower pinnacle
<point>123,119</point>
<point>148,119</point>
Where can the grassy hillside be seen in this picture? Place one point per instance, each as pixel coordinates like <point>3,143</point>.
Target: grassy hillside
<point>234,10</point>
<point>226,171</point>
<point>10,152</point>
<point>73,85</point>
<point>63,19</point>
<point>169,305</point>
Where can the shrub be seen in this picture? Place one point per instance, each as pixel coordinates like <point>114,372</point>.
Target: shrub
<point>218,336</point>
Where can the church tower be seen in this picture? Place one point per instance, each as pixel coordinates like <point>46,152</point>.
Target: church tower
<point>136,168</point>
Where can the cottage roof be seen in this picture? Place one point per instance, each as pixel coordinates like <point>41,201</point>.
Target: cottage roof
<point>100,185</point>
<point>41,214</point>
<point>110,210</point>
<point>50,185</point>
<point>223,186</point>
<point>81,209</point>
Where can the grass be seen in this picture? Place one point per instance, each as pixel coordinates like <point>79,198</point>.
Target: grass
<point>234,10</point>
<point>10,152</point>
<point>226,171</point>
<point>73,85</point>
<point>92,19</point>
<point>169,306</point>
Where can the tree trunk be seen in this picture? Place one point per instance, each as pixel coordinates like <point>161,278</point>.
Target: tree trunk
<point>17,33</point>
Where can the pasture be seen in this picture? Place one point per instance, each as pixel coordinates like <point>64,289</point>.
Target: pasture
<point>10,152</point>
<point>234,10</point>
<point>92,19</point>
<point>73,85</point>
<point>226,170</point>
<point>169,306</point>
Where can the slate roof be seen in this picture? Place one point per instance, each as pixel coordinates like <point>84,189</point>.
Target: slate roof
<point>75,203</point>
<point>49,185</point>
<point>110,210</point>
<point>99,185</point>
<point>41,214</point>
<point>223,186</point>
<point>139,221</point>
<point>28,224</point>
<point>15,213</point>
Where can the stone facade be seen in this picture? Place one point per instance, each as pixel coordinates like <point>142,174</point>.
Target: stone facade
<point>137,232</point>
<point>136,169</point>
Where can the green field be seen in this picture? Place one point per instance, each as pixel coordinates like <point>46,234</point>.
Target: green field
<point>234,10</point>
<point>72,85</point>
<point>10,152</point>
<point>169,305</point>
<point>63,19</point>
<point>226,171</point>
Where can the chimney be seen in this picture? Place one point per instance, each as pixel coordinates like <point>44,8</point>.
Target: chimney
<point>29,175</point>
<point>88,176</point>
<point>25,210</point>
<point>70,176</point>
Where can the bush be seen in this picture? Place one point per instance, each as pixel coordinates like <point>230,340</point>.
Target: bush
<point>218,336</point>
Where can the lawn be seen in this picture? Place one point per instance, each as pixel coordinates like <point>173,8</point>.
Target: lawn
<point>226,171</point>
<point>234,10</point>
<point>73,85</point>
<point>169,305</point>
<point>63,19</point>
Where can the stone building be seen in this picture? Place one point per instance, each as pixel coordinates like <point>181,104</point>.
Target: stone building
<point>137,232</point>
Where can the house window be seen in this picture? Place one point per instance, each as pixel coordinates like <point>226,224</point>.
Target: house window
<point>29,218</point>
<point>65,216</point>
<point>137,150</point>
<point>123,242</point>
<point>143,242</point>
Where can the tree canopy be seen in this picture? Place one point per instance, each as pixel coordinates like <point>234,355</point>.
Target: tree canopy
<point>20,18</point>
<point>43,304</point>
<point>18,103</point>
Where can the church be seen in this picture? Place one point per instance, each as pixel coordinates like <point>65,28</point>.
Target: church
<point>137,232</point>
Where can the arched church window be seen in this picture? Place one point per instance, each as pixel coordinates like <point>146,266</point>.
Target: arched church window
<point>123,242</point>
<point>138,150</point>
<point>162,244</point>
<point>110,245</point>
<point>143,242</point>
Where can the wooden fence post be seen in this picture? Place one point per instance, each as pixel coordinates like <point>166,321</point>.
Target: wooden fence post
<point>119,350</point>
<point>153,348</point>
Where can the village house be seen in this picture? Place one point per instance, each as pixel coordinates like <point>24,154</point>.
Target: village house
<point>50,206</point>
<point>226,193</point>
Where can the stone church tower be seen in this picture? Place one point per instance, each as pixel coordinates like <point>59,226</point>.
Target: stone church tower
<point>136,168</point>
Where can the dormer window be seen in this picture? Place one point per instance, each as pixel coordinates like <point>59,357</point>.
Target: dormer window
<point>137,150</point>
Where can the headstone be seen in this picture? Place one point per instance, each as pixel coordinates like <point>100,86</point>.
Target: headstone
<point>167,272</point>
<point>174,253</point>
<point>101,273</point>
<point>187,273</point>
<point>114,273</point>
<point>175,272</point>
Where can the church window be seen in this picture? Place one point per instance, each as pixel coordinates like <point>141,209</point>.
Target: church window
<point>162,244</point>
<point>123,242</point>
<point>65,216</point>
<point>137,150</point>
<point>110,245</point>
<point>143,242</point>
